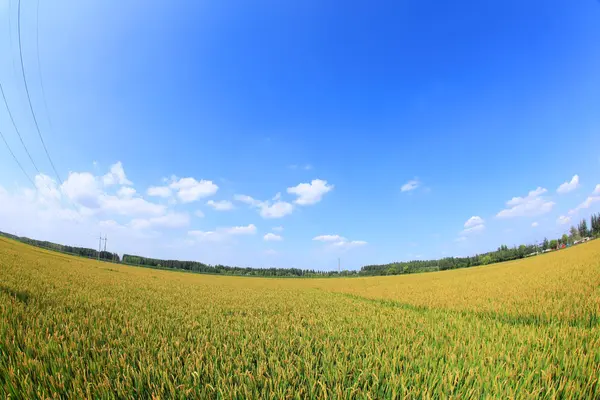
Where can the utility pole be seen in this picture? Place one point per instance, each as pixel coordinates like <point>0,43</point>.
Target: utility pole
<point>99,246</point>
<point>339,266</point>
<point>105,240</point>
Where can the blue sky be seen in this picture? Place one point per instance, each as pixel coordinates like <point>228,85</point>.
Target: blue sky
<point>336,106</point>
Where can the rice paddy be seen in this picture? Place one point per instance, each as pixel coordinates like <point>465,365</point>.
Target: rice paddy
<point>72,327</point>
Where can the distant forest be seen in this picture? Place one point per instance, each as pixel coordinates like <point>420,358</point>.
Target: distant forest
<point>503,253</point>
<point>77,251</point>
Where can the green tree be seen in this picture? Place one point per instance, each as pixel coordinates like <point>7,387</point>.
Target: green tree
<point>565,239</point>
<point>595,224</point>
<point>574,234</point>
<point>545,244</point>
<point>582,228</point>
<point>553,244</point>
<point>485,260</point>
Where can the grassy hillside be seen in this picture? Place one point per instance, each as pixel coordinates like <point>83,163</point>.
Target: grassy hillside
<point>525,329</point>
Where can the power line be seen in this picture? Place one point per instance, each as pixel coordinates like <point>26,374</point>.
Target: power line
<point>10,33</point>
<point>26,150</point>
<point>17,129</point>
<point>21,140</point>
<point>37,48</point>
<point>28,96</point>
<point>16,159</point>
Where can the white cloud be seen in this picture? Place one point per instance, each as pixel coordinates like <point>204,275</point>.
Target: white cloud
<point>310,193</point>
<point>278,209</point>
<point>199,214</point>
<point>569,186</point>
<point>473,224</point>
<point>47,188</point>
<point>329,238</point>
<point>247,199</point>
<point>116,176</point>
<point>271,252</point>
<point>306,167</point>
<point>410,185</point>
<point>473,229</point>
<point>474,221</point>
<point>159,191</point>
<point>82,188</point>
<point>563,220</point>
<point>278,228</point>
<point>206,236</point>
<point>221,234</point>
<point>339,242</point>
<point>189,189</point>
<point>587,203</point>
<point>171,220</point>
<point>241,230</point>
<point>223,205</point>
<point>126,192</point>
<point>129,206</point>
<point>348,244</point>
<point>534,224</point>
<point>529,206</point>
<point>515,201</point>
<point>460,239</point>
<point>40,215</point>
<point>271,237</point>
<point>307,194</point>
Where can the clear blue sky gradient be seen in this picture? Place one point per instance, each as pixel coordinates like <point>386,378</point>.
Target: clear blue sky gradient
<point>480,101</point>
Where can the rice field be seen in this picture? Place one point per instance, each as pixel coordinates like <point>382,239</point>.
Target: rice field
<point>71,327</point>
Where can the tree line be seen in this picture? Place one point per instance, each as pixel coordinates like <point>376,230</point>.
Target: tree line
<point>503,253</point>
<point>195,266</point>
<point>77,251</point>
<point>576,234</point>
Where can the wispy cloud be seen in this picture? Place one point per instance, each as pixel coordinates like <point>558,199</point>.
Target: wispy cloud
<point>329,238</point>
<point>587,203</point>
<point>569,186</point>
<point>223,205</point>
<point>268,209</point>
<point>410,185</point>
<point>529,206</point>
<point>221,234</point>
<point>271,237</point>
<point>339,242</point>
